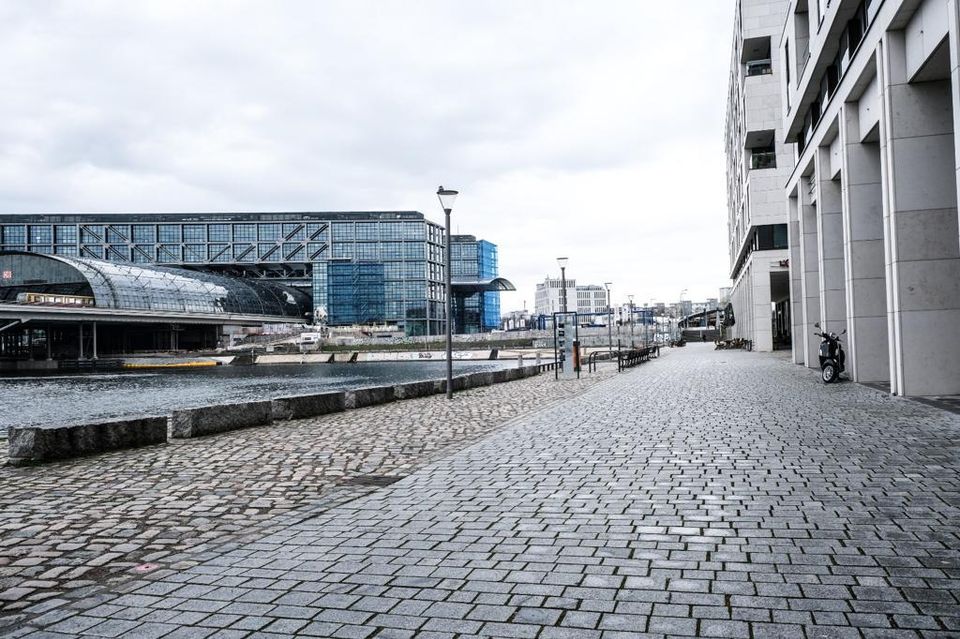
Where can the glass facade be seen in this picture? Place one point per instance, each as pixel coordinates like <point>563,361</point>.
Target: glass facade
<point>474,260</point>
<point>392,262</point>
<point>149,288</point>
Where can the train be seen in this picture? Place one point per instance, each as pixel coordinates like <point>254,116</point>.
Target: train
<point>55,299</point>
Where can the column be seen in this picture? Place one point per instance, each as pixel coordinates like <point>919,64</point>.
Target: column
<point>920,187</point>
<point>863,249</point>
<point>796,276</point>
<point>810,282</point>
<point>833,303</point>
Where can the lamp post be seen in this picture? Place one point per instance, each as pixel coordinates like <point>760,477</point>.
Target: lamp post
<point>630,298</point>
<point>609,319</point>
<point>682,293</point>
<point>447,198</point>
<point>562,261</point>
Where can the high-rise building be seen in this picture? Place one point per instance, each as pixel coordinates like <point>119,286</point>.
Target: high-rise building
<point>870,98</point>
<point>359,267</point>
<point>758,164</point>
<point>475,260</point>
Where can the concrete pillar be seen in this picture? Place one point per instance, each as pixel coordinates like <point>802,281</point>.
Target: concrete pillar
<point>920,187</point>
<point>953,20</point>
<point>760,305</point>
<point>833,303</point>
<point>49,343</point>
<point>796,275</point>
<point>863,249</point>
<point>94,340</point>
<point>810,282</point>
<point>80,351</point>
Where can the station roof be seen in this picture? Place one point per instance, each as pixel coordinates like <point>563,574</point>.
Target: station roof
<point>482,285</point>
<point>146,287</point>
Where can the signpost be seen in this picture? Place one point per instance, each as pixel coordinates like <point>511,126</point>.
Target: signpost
<point>566,340</point>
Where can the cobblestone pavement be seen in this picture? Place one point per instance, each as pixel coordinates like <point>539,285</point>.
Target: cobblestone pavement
<point>711,494</point>
<point>67,527</point>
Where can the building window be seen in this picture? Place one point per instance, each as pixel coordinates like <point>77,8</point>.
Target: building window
<point>219,232</point>
<point>168,233</point>
<point>144,234</point>
<point>194,233</point>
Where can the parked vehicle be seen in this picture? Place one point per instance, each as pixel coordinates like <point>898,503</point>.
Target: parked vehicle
<point>831,355</point>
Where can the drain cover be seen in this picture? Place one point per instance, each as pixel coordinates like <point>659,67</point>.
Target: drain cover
<point>371,480</point>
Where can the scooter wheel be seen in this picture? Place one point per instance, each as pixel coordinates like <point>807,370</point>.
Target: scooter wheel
<point>829,373</point>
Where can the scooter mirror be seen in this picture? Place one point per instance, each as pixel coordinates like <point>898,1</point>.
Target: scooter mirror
<point>844,332</point>
<point>817,325</point>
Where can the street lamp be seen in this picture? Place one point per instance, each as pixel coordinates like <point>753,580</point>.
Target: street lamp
<point>632,343</point>
<point>447,198</point>
<point>562,261</point>
<point>609,319</point>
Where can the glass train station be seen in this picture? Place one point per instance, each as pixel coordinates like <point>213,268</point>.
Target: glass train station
<point>360,268</point>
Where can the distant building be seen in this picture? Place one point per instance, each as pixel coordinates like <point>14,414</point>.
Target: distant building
<point>475,260</point>
<point>589,300</point>
<point>548,298</point>
<point>359,268</point>
<point>758,165</point>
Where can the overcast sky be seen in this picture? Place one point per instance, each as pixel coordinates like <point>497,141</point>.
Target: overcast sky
<point>588,129</point>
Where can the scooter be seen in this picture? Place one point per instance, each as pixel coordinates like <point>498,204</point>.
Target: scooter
<point>831,355</point>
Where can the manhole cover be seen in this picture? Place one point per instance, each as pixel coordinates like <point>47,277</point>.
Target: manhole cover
<point>371,480</point>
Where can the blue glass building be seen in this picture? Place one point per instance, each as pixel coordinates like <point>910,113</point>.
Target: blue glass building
<point>360,267</point>
<point>476,311</point>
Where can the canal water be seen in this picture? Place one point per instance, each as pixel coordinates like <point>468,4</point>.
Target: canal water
<point>73,399</point>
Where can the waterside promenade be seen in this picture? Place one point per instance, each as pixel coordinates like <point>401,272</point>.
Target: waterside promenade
<point>67,528</point>
<point>709,493</point>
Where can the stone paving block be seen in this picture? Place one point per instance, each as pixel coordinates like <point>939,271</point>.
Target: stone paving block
<point>370,396</point>
<point>303,406</point>
<point>209,420</point>
<point>34,444</point>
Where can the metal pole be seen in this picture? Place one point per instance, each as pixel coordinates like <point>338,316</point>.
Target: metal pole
<point>49,344</point>
<point>563,289</point>
<point>609,322</point>
<point>94,340</point>
<point>80,352</point>
<point>449,312</point>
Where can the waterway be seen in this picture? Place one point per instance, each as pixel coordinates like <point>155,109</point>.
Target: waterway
<point>73,399</point>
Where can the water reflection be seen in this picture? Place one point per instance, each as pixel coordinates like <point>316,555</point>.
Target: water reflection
<point>84,398</point>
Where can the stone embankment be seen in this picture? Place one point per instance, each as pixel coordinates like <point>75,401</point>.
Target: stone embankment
<point>30,445</point>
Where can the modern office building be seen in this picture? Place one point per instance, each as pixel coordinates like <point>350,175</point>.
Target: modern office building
<point>758,164</point>
<point>359,267</point>
<point>588,300</point>
<point>548,298</point>
<point>870,98</point>
<point>475,260</point>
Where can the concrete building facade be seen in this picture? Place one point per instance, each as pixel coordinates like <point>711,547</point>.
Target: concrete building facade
<point>871,99</point>
<point>589,300</point>
<point>758,164</point>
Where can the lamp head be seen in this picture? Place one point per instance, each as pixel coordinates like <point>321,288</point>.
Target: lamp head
<point>447,198</point>
<point>562,262</point>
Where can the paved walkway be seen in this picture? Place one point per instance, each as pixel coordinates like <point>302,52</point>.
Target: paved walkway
<point>711,493</point>
<point>67,528</point>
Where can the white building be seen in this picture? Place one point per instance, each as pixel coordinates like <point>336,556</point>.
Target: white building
<point>758,164</point>
<point>872,100</point>
<point>589,299</point>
